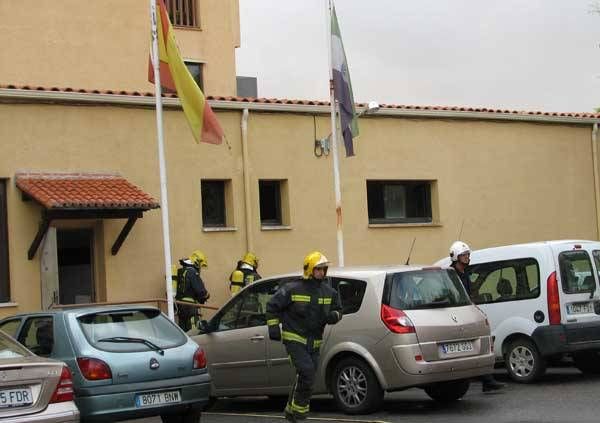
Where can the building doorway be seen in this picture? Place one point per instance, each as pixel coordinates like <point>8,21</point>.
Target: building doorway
<point>74,250</point>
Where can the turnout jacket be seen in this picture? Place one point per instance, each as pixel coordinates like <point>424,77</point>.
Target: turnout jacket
<point>303,307</point>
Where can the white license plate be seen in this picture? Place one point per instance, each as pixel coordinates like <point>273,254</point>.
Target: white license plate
<point>16,397</point>
<point>157,398</point>
<point>580,308</point>
<point>457,347</point>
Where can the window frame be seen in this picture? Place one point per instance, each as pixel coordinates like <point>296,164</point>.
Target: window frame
<point>4,244</point>
<point>278,221</point>
<point>189,62</point>
<point>223,221</point>
<point>520,268</point>
<point>376,200</point>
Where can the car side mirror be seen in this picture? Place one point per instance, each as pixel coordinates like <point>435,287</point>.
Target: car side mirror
<point>204,326</point>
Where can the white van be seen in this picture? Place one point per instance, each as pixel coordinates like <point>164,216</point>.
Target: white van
<point>542,301</point>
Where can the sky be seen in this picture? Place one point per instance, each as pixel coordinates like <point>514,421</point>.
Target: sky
<point>510,54</point>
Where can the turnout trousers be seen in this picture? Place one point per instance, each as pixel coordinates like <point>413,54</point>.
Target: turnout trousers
<point>306,362</point>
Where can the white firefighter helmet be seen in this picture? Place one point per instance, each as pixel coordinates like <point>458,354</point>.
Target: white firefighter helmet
<point>458,248</point>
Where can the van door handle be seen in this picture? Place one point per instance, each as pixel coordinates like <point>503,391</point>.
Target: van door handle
<point>257,338</point>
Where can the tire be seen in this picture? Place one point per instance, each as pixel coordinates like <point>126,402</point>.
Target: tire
<point>588,362</point>
<point>523,361</point>
<point>189,417</point>
<point>450,391</point>
<point>355,387</point>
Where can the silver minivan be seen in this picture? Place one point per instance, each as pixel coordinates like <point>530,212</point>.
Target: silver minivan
<point>403,326</point>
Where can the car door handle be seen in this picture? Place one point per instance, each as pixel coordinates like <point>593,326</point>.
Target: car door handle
<point>257,338</point>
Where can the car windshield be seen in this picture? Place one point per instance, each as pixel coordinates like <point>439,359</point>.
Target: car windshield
<point>10,348</point>
<point>429,288</point>
<point>130,330</point>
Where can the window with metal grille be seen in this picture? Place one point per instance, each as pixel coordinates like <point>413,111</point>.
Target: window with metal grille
<point>399,201</point>
<point>4,275</point>
<point>183,12</point>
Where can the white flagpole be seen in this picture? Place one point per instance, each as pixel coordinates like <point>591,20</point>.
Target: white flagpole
<point>164,203</point>
<point>334,151</point>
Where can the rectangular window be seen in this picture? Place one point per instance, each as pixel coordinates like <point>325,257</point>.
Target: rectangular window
<point>195,69</point>
<point>576,272</point>
<point>213,194</point>
<point>508,280</point>
<point>183,12</point>
<point>269,193</point>
<point>399,201</point>
<point>4,274</point>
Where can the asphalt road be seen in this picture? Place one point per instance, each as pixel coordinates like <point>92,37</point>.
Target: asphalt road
<point>563,395</point>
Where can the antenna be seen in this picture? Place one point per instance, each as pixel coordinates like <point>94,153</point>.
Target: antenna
<point>461,228</point>
<point>410,251</point>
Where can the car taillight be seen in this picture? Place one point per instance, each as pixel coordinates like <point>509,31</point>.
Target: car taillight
<point>199,359</point>
<point>396,320</point>
<point>553,300</point>
<point>93,368</point>
<point>64,388</point>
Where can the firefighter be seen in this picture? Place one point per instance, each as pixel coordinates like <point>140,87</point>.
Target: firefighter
<point>190,288</point>
<point>244,274</point>
<point>303,307</point>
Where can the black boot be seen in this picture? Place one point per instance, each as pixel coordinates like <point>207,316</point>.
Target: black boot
<point>491,384</point>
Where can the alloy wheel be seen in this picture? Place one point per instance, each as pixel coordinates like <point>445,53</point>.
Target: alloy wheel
<point>352,386</point>
<point>521,361</point>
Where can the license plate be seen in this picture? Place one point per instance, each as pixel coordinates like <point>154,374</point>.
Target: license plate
<point>457,347</point>
<point>157,398</point>
<point>580,308</point>
<point>16,397</point>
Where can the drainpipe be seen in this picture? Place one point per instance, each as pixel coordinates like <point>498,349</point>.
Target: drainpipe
<point>246,171</point>
<point>596,178</point>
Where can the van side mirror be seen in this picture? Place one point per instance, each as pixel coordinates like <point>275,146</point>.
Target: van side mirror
<point>204,326</point>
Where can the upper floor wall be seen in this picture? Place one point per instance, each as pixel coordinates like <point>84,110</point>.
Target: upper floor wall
<point>105,44</point>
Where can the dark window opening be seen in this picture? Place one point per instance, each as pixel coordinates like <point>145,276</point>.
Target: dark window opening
<point>182,12</point>
<point>213,203</point>
<point>195,69</point>
<point>75,270</point>
<point>399,201</point>
<point>4,274</point>
<point>270,202</point>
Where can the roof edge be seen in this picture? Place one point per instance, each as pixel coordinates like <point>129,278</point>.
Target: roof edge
<point>122,98</point>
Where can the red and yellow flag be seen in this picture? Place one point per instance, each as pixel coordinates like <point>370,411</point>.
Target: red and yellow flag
<point>175,77</point>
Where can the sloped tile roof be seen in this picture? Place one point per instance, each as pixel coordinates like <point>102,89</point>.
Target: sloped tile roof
<point>83,191</point>
<point>484,110</point>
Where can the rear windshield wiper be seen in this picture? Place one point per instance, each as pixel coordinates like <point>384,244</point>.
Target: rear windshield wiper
<point>434,304</point>
<point>126,339</point>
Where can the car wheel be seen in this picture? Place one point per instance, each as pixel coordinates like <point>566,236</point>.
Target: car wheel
<point>189,417</point>
<point>450,391</point>
<point>355,387</point>
<point>588,362</point>
<point>523,361</point>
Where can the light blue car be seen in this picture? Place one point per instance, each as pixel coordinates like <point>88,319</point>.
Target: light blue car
<point>127,361</point>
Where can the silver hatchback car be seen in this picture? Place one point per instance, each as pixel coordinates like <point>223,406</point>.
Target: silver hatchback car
<point>403,326</point>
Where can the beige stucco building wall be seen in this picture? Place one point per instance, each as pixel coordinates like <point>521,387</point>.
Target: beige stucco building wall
<point>106,44</point>
<point>508,181</point>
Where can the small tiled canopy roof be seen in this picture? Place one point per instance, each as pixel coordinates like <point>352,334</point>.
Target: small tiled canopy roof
<point>84,191</point>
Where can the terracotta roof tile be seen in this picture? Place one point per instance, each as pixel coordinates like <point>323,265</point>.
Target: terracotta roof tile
<point>307,102</point>
<point>83,191</point>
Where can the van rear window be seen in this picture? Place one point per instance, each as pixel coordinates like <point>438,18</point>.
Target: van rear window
<point>576,272</point>
<point>424,289</point>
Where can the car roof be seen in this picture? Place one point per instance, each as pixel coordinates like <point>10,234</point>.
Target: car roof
<point>556,242</point>
<point>361,271</point>
<point>83,310</point>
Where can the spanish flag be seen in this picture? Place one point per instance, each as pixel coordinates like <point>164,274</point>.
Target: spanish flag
<point>175,78</point>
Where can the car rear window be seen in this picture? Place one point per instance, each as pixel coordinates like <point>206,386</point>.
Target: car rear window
<point>10,348</point>
<point>130,330</point>
<point>423,289</point>
<point>576,272</point>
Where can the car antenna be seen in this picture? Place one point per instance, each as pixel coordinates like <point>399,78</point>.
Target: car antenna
<point>461,228</point>
<point>410,251</point>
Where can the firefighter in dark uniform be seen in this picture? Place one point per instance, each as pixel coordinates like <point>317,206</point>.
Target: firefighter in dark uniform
<point>303,307</point>
<point>460,255</point>
<point>244,274</point>
<point>190,288</point>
